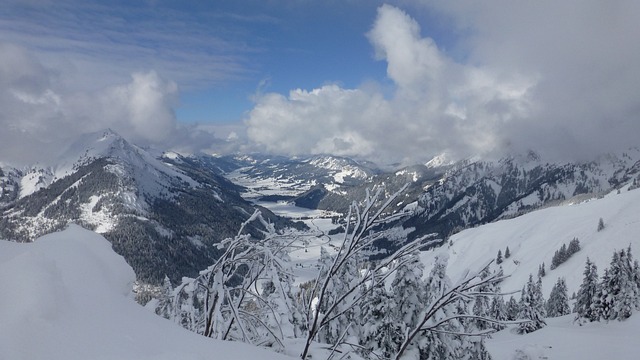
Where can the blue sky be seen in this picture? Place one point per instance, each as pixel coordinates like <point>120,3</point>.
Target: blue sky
<point>237,47</point>
<point>395,82</point>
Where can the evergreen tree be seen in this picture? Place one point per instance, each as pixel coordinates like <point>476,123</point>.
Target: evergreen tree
<point>561,255</point>
<point>499,257</point>
<point>539,298</point>
<point>512,309</point>
<point>558,304</point>
<point>380,332</point>
<point>408,291</point>
<point>437,345</point>
<point>507,253</point>
<point>541,271</point>
<point>600,224</point>
<point>481,302</point>
<point>618,293</point>
<point>531,308</point>
<point>574,247</point>
<point>498,311</point>
<point>585,307</point>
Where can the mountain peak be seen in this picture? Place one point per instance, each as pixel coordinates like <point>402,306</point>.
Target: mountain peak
<point>443,159</point>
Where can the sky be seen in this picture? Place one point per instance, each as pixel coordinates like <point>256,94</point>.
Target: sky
<point>394,82</point>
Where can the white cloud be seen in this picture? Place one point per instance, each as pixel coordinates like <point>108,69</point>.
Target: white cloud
<point>557,77</point>
<point>315,121</point>
<point>437,105</point>
<point>40,116</point>
<point>583,55</point>
<point>97,45</point>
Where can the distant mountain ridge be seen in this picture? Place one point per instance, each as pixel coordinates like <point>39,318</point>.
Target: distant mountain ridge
<point>444,196</point>
<point>478,192</point>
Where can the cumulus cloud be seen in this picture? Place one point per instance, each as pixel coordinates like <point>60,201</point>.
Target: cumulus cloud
<point>437,105</point>
<point>40,117</point>
<point>584,56</point>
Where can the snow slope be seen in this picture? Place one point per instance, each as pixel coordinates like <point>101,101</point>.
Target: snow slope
<point>533,238</point>
<point>562,339</point>
<point>68,296</point>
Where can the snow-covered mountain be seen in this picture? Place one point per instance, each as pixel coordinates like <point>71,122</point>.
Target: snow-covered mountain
<point>471,193</point>
<point>163,215</point>
<point>533,239</point>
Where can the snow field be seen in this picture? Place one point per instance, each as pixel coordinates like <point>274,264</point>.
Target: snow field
<point>563,339</point>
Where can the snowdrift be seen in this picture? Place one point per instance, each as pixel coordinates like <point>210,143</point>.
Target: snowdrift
<point>68,296</point>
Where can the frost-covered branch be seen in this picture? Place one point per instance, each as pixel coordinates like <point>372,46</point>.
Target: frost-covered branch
<point>327,303</point>
<point>233,299</point>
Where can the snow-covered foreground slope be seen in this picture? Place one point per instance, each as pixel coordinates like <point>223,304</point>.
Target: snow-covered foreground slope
<point>68,296</point>
<point>533,238</point>
<point>562,339</point>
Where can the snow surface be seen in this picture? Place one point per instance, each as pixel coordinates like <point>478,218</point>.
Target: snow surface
<point>534,237</point>
<point>68,296</point>
<point>562,339</point>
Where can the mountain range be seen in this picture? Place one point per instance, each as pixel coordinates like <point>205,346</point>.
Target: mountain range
<point>165,212</point>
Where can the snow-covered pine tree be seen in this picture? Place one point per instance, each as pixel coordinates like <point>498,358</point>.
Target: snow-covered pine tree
<point>530,309</point>
<point>409,291</point>
<point>542,272</point>
<point>618,293</point>
<point>512,309</point>
<point>481,303</point>
<point>600,225</point>
<point>499,257</point>
<point>585,307</point>
<point>498,311</point>
<point>558,304</point>
<point>507,253</point>
<point>380,331</point>
<point>539,298</point>
<point>574,247</point>
<point>346,281</point>
<point>559,257</point>
<point>439,345</point>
